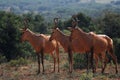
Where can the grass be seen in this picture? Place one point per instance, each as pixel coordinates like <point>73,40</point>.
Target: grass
<point>19,62</point>
<point>22,70</point>
<point>85,76</point>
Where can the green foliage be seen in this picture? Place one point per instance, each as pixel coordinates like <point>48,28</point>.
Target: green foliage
<point>66,32</point>
<point>27,50</point>
<point>48,57</point>
<point>84,22</point>
<point>86,76</point>
<point>36,23</point>
<point>117,47</point>
<point>2,59</point>
<point>9,40</point>
<point>53,8</point>
<point>68,23</point>
<point>111,24</point>
<point>66,65</point>
<point>79,61</point>
<point>12,48</point>
<point>20,62</point>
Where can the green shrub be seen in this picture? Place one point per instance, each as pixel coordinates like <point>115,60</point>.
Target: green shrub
<point>19,62</point>
<point>86,76</point>
<point>48,57</point>
<point>79,61</point>
<point>2,59</point>
<point>117,47</point>
<point>66,65</point>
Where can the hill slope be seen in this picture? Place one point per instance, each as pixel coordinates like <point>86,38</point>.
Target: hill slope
<point>61,8</point>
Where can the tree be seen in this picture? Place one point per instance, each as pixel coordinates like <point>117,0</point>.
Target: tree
<point>10,45</point>
<point>9,40</point>
<point>39,24</point>
<point>36,23</point>
<point>111,24</point>
<point>84,22</point>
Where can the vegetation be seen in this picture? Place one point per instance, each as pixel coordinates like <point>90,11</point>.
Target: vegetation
<point>80,61</point>
<point>12,48</point>
<point>96,17</point>
<point>53,8</point>
<point>16,53</point>
<point>19,62</point>
<point>10,42</point>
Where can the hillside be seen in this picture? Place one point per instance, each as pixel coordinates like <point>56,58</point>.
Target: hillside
<point>61,8</point>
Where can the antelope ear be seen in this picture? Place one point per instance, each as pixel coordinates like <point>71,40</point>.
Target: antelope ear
<point>70,28</point>
<point>22,30</point>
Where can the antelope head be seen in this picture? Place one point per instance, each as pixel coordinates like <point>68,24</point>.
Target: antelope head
<point>75,21</point>
<point>55,23</point>
<point>55,29</point>
<point>24,30</point>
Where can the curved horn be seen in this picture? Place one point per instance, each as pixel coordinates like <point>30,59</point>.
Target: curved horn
<point>75,18</point>
<point>74,22</point>
<point>56,22</point>
<point>25,23</point>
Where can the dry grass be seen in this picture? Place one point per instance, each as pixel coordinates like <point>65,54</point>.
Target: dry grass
<point>28,72</point>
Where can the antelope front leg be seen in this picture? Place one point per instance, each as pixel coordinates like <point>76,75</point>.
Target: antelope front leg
<point>54,61</point>
<point>92,63</point>
<point>42,59</point>
<point>38,55</point>
<point>70,60</point>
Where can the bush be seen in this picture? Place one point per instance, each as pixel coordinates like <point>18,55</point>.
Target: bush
<point>2,59</point>
<point>117,47</point>
<point>79,61</point>
<point>66,65</point>
<point>48,57</point>
<point>86,76</point>
<point>19,62</point>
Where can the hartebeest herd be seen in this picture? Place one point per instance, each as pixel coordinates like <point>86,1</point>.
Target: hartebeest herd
<point>78,41</point>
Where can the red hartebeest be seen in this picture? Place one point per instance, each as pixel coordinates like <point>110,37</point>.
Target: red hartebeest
<point>41,44</point>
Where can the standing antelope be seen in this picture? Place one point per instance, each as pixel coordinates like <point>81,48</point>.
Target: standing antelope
<point>41,44</point>
<point>84,41</point>
<point>110,52</point>
<point>63,40</point>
